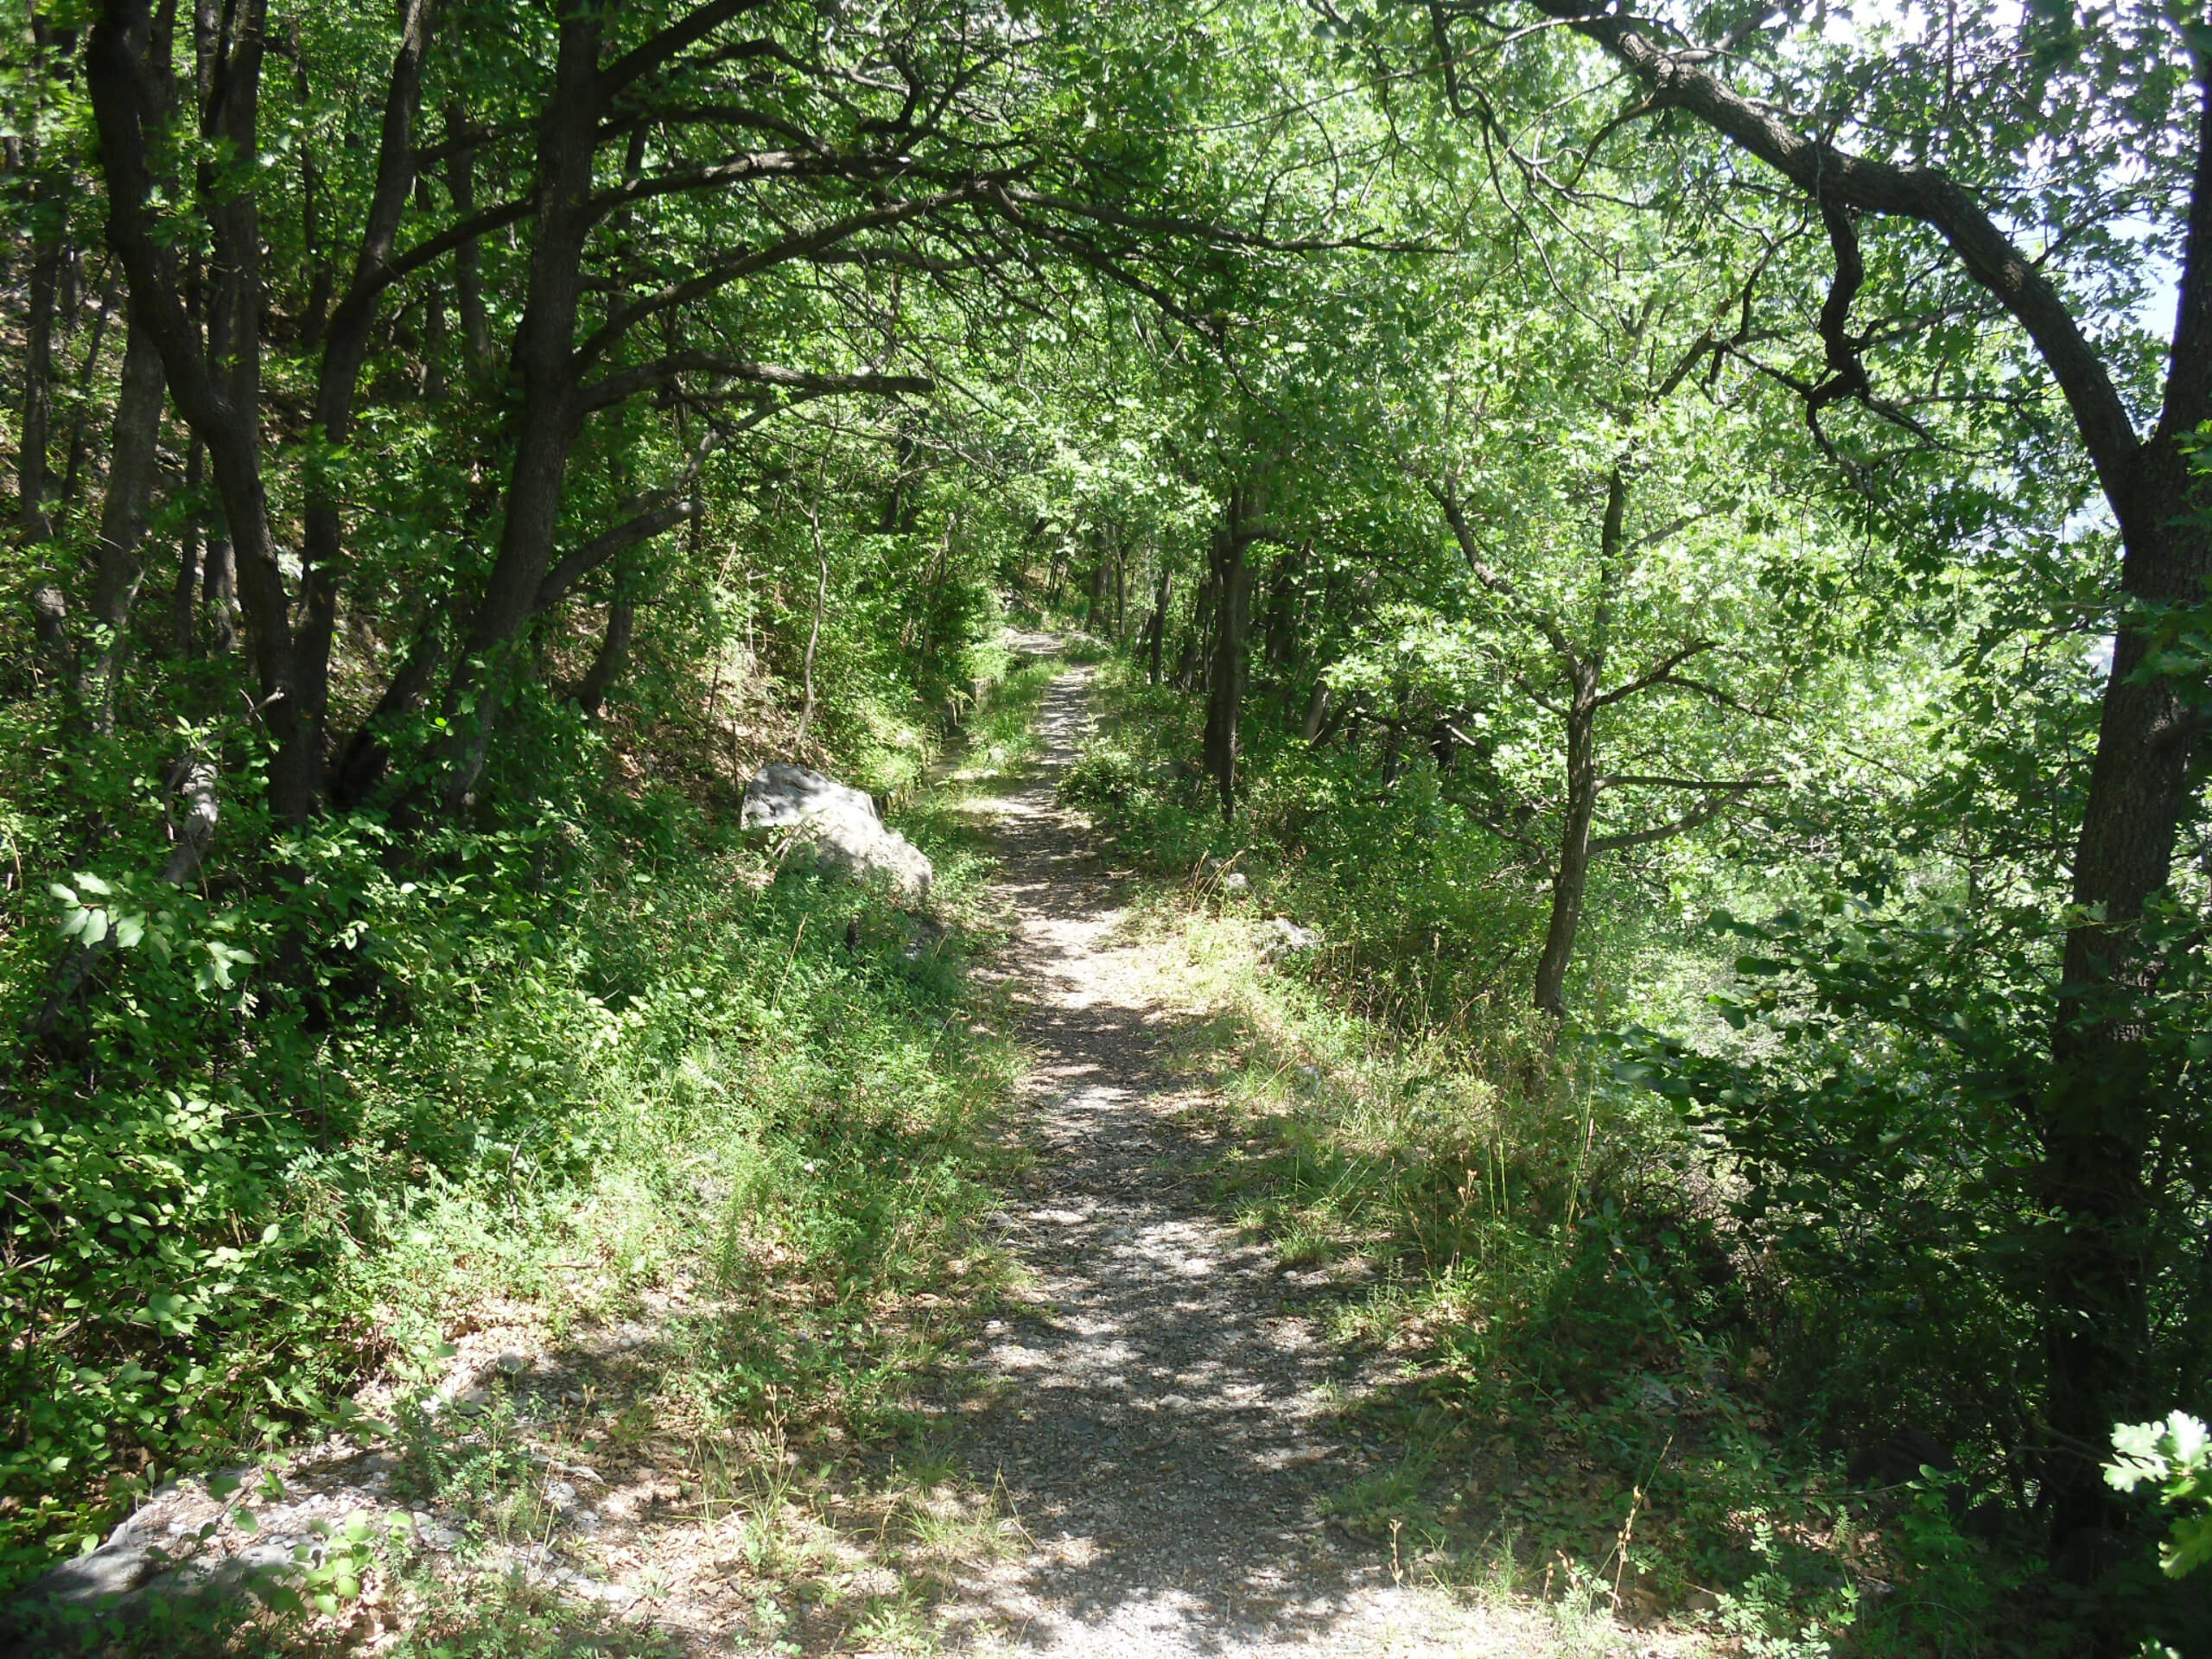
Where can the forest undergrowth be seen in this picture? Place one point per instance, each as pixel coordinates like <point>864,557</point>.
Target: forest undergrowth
<point>617,1071</point>
<point>1590,1403</point>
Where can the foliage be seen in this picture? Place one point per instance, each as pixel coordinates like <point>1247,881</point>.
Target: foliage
<point>2174,1458</point>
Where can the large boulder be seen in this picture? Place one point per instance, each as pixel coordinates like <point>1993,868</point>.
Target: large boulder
<point>835,828</point>
<point>783,796</point>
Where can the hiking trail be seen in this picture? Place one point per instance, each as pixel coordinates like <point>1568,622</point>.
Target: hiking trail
<point>1164,1415</point>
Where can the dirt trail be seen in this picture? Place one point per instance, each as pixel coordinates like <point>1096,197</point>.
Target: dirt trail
<point>1162,1414</point>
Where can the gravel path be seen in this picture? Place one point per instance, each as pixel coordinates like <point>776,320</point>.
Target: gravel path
<point>1162,1413</point>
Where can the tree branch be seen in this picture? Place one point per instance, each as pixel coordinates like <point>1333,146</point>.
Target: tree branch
<point>807,245</point>
<point>605,545</point>
<point>1702,814</point>
<point>627,383</point>
<point>1660,673</point>
<point>1470,550</point>
<point>2188,377</point>
<point>1834,178</point>
<point>676,38</point>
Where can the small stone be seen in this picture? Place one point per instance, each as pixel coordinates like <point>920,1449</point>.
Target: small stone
<point>560,1494</point>
<point>511,1364</point>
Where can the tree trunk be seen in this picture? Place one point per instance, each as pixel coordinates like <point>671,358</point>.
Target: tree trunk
<point>184,635</point>
<point>346,343</point>
<point>86,401</point>
<point>1571,878</point>
<point>469,258</point>
<point>1158,629</point>
<point>1121,599</point>
<point>546,425</point>
<point>218,392</point>
<point>1094,615</point>
<point>614,654</point>
<point>119,563</point>
<point>1232,580</point>
<point>1193,660</point>
<point>1443,747</point>
<point>814,634</point>
<point>2095,1119</point>
<point>361,765</point>
<point>32,480</point>
<point>218,593</point>
<point>1585,671</point>
<point>2096,1122</point>
<point>1317,707</point>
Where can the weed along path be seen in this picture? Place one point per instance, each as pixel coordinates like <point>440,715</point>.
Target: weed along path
<point>1162,1414</point>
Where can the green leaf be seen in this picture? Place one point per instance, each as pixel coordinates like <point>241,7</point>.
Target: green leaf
<point>2188,1545</point>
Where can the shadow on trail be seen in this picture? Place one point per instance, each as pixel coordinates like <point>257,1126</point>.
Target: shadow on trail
<point>1164,1418</point>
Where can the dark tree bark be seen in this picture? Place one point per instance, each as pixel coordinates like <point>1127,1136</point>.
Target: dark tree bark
<point>1394,737</point>
<point>1317,706</point>
<point>614,654</point>
<point>1571,860</point>
<point>87,377</point>
<point>33,479</point>
<point>1232,581</point>
<point>1443,746</point>
<point>345,344</point>
<point>1120,596</point>
<point>1093,613</point>
<point>546,425</point>
<point>183,632</point>
<point>467,259</point>
<point>119,562</point>
<point>1157,636</point>
<point>1197,640</point>
<point>1584,671</point>
<point>50,190</point>
<point>1582,665</point>
<point>217,388</point>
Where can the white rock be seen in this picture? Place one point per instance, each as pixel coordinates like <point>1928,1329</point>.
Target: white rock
<point>784,795</point>
<point>836,830</point>
<point>860,850</point>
